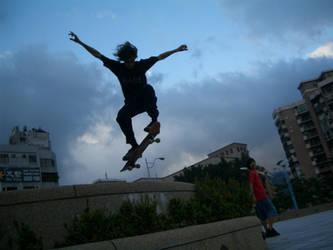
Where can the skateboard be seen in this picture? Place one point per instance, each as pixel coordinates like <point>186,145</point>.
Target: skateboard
<point>149,139</point>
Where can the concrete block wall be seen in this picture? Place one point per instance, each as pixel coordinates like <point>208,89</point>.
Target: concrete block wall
<point>47,210</point>
<point>235,234</point>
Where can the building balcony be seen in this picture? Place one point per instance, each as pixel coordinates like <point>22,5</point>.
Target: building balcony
<point>300,121</point>
<point>317,153</point>
<point>322,163</point>
<point>309,137</point>
<point>299,112</point>
<point>328,96</point>
<point>324,170</point>
<point>303,129</point>
<point>308,146</point>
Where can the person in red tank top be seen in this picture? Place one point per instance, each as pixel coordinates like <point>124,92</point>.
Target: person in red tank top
<point>265,209</point>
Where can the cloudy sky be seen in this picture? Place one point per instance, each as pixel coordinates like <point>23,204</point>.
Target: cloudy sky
<point>245,59</point>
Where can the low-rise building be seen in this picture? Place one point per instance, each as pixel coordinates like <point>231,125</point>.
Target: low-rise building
<point>27,162</point>
<point>229,153</point>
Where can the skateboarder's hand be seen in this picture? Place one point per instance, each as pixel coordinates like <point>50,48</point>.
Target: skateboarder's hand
<point>182,47</point>
<point>74,37</point>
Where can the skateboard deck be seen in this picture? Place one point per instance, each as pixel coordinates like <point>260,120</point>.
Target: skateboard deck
<point>149,139</point>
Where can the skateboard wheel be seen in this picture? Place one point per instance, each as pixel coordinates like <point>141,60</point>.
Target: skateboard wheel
<point>157,140</point>
<point>137,165</point>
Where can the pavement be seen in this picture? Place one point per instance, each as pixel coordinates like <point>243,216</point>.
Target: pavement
<point>308,232</point>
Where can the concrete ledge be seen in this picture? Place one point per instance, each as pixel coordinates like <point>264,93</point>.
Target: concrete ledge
<point>116,188</point>
<point>240,233</point>
<point>8,199</point>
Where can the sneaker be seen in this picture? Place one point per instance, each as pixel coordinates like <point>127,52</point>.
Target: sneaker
<point>268,234</point>
<point>274,232</point>
<point>130,154</point>
<point>147,128</point>
<point>271,233</point>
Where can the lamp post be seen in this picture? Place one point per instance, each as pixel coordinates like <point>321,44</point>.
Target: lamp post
<point>291,191</point>
<point>152,164</point>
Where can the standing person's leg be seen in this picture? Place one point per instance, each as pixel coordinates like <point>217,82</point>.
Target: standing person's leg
<point>267,212</point>
<point>264,223</point>
<point>261,215</point>
<point>150,105</point>
<point>270,223</point>
<point>271,213</point>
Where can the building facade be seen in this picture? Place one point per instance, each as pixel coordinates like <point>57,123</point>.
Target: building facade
<point>306,128</point>
<point>230,152</point>
<point>27,162</point>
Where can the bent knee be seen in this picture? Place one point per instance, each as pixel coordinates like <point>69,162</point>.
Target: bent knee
<point>122,117</point>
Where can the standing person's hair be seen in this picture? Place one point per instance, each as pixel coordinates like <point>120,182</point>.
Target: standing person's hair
<point>249,161</point>
<point>126,51</point>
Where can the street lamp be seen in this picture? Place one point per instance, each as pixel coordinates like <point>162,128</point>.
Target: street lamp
<point>291,191</point>
<point>152,164</point>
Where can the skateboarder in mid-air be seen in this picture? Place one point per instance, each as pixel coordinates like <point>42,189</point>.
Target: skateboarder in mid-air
<point>139,96</point>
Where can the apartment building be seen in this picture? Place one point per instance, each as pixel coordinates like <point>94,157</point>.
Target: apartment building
<point>27,162</point>
<point>306,128</point>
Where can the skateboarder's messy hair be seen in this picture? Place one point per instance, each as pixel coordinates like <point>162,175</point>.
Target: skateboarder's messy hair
<point>126,51</point>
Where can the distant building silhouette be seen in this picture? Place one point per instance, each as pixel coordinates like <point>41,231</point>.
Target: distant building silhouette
<point>229,153</point>
<point>27,162</point>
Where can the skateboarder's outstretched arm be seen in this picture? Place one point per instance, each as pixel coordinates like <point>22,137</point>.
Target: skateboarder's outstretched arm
<point>169,53</point>
<point>91,50</point>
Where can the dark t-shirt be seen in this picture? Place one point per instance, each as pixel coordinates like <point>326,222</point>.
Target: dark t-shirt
<point>131,80</point>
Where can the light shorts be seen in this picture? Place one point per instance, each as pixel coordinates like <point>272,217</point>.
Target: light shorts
<point>265,209</point>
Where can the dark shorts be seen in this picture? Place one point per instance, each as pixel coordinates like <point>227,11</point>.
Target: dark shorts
<point>265,209</point>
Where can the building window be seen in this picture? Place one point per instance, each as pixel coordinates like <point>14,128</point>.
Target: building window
<point>50,177</point>
<point>47,163</point>
<point>11,188</point>
<point>33,159</point>
<point>4,159</point>
<point>13,156</point>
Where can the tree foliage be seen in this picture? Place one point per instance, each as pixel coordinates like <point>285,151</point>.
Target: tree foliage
<point>308,192</point>
<point>224,171</point>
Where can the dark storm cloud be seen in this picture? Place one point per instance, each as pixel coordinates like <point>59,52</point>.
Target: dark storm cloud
<point>280,18</point>
<point>54,92</point>
<point>236,107</point>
